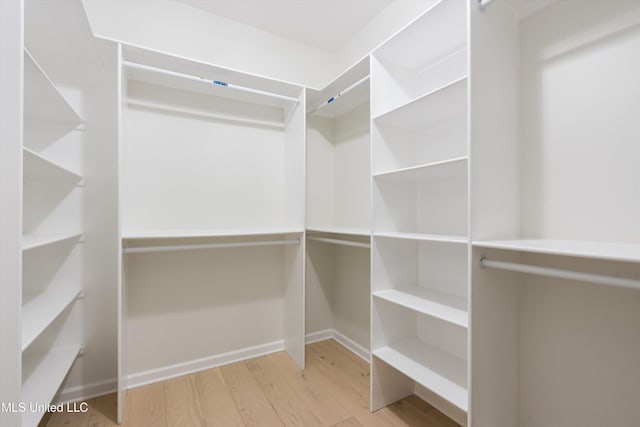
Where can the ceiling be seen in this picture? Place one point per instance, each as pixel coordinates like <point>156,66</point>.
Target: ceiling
<point>326,24</point>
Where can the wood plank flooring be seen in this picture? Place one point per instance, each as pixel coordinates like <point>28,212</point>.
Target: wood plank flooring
<point>270,390</point>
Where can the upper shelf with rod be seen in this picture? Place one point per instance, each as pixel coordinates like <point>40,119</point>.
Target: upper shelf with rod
<point>185,75</point>
<point>345,93</point>
<point>610,251</point>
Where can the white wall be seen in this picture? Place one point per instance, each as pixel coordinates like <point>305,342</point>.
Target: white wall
<point>580,98</point>
<point>183,306</point>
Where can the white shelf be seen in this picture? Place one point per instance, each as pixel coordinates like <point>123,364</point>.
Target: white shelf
<point>449,308</point>
<point>423,237</point>
<point>42,310</point>
<point>444,25</point>
<point>440,372</point>
<point>625,252</point>
<point>340,230</point>
<point>43,103</point>
<point>205,75</point>
<point>45,377</point>
<point>440,105</point>
<point>420,172</point>
<point>39,168</point>
<point>186,234</point>
<point>352,99</point>
<point>31,241</point>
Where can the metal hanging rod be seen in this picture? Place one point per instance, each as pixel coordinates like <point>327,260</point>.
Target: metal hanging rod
<point>204,80</point>
<point>338,95</point>
<point>173,248</point>
<point>339,242</point>
<point>484,3</point>
<point>599,279</point>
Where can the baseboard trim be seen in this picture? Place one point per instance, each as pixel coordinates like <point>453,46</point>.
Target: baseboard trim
<point>101,388</point>
<point>341,338</point>
<point>353,346</point>
<point>325,334</point>
<point>87,391</point>
<point>160,374</point>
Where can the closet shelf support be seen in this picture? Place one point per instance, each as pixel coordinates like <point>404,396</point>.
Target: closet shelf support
<point>173,248</point>
<point>598,279</point>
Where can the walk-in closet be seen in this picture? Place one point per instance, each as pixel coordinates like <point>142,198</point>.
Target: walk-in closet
<point>311,213</point>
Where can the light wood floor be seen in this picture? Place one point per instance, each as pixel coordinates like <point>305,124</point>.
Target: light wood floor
<point>265,391</point>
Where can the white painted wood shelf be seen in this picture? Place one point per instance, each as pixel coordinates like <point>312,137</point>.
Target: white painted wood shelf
<point>39,168</point>
<point>331,229</point>
<point>43,103</point>
<point>440,105</point>
<point>356,97</point>
<point>187,234</point>
<point>444,24</point>
<point>425,171</point>
<point>42,309</point>
<point>33,241</point>
<point>44,377</point>
<point>625,252</point>
<point>347,102</point>
<point>286,95</point>
<point>440,372</point>
<point>423,237</point>
<point>436,304</point>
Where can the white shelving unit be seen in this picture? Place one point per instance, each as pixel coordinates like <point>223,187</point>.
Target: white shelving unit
<point>42,309</point>
<point>206,91</point>
<point>547,338</point>
<point>429,130</point>
<point>47,334</point>
<point>33,241</point>
<point>187,234</point>
<point>338,211</point>
<point>420,163</point>
<point>42,376</point>
<point>217,215</point>
<point>43,103</point>
<point>411,348</point>
<point>353,231</point>
<point>624,252</point>
<point>39,168</point>
<point>423,237</point>
<point>432,303</point>
<point>404,72</point>
<point>430,199</point>
<point>430,367</point>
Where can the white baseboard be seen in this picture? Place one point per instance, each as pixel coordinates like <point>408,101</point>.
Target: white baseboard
<point>154,375</point>
<point>87,391</point>
<point>325,334</point>
<point>347,342</point>
<point>353,346</point>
